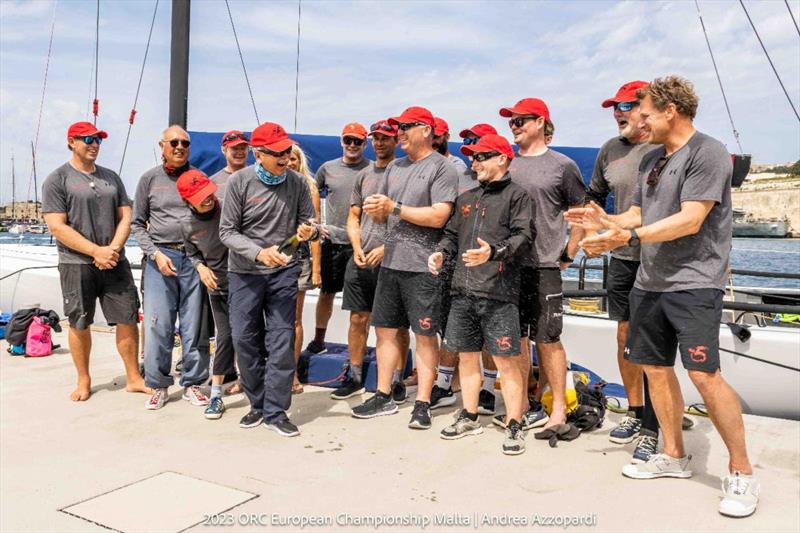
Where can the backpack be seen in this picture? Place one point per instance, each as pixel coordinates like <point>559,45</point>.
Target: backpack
<point>38,342</point>
<point>591,409</point>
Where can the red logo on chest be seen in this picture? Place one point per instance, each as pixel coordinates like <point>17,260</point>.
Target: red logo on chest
<point>465,209</point>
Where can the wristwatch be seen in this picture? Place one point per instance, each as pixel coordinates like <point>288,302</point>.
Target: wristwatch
<point>396,209</point>
<point>634,239</point>
<point>565,258</point>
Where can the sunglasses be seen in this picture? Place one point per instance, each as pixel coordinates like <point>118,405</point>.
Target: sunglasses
<point>183,142</point>
<point>89,139</point>
<point>352,140</point>
<point>520,121</point>
<point>273,154</point>
<point>483,156</point>
<point>471,140</point>
<point>405,126</point>
<point>625,106</point>
<point>655,174</point>
<point>233,137</point>
<point>382,127</point>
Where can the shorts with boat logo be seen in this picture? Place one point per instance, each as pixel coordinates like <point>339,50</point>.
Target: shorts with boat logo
<point>476,321</point>
<point>663,322</point>
<point>541,318</point>
<point>82,285</point>
<point>407,299</point>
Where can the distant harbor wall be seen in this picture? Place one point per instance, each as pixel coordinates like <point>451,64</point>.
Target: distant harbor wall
<point>772,203</point>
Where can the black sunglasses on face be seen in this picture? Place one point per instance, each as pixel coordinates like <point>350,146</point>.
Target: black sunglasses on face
<point>352,140</point>
<point>89,139</point>
<point>520,121</point>
<point>183,142</point>
<point>655,174</point>
<point>483,156</point>
<point>273,154</point>
<point>408,125</point>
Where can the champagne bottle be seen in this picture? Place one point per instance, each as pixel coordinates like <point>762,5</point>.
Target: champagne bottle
<point>290,245</point>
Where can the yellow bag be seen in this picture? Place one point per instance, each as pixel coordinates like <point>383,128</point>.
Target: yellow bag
<point>571,397</point>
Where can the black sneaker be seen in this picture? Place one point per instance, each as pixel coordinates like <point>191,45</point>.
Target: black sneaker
<point>252,419</point>
<point>348,389</point>
<point>399,392</point>
<point>486,401</point>
<point>379,405</point>
<point>316,347</point>
<point>420,416</point>
<point>441,397</point>
<point>284,428</point>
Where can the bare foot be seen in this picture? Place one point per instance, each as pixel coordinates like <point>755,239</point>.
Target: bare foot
<point>297,388</point>
<point>236,388</point>
<point>137,385</point>
<point>82,391</point>
<point>555,421</point>
<point>411,381</point>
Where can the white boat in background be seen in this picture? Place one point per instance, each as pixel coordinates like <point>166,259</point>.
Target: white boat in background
<point>764,370</point>
<point>18,229</point>
<point>38,229</point>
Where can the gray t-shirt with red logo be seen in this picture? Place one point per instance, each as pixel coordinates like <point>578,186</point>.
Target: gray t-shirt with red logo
<point>700,170</point>
<point>421,183</point>
<point>91,211</point>
<point>337,177</point>
<point>368,182</point>
<point>554,183</point>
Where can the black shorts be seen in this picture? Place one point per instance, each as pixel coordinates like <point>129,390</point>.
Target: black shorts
<point>445,279</point>
<point>359,287</point>
<point>404,299</point>
<point>82,285</point>
<point>474,321</point>
<point>333,265</point>
<point>662,322</point>
<point>541,318</point>
<point>621,275</point>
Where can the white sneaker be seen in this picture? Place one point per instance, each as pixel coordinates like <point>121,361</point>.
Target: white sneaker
<point>739,495</point>
<point>194,395</point>
<point>157,399</point>
<point>659,465</point>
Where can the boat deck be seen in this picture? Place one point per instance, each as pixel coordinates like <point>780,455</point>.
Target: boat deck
<point>165,470</point>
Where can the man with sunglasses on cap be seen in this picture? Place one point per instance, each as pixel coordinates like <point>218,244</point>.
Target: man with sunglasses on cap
<point>265,205</point>
<point>234,148</point>
<point>489,232</point>
<point>441,138</point>
<point>681,215</point>
<point>361,277</point>
<point>171,282</point>
<point>335,180</point>
<point>416,200</point>
<point>554,183</point>
<point>88,211</point>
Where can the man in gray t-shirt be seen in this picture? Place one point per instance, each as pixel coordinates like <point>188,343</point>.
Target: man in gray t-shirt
<point>234,148</point>
<point>88,211</point>
<point>416,201</point>
<point>335,180</point>
<point>681,214</point>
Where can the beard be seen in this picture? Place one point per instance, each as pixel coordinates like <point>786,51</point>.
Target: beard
<point>440,147</point>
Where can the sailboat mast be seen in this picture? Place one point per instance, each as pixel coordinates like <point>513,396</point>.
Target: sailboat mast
<point>35,186</point>
<point>179,63</point>
<point>13,189</point>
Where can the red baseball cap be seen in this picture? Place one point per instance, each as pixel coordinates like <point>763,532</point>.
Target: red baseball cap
<point>626,93</point>
<point>479,130</point>
<point>194,186</point>
<point>79,129</point>
<point>354,129</point>
<point>527,106</point>
<point>414,114</point>
<point>383,127</point>
<point>440,126</point>
<point>489,143</point>
<point>234,137</point>
<point>272,137</point>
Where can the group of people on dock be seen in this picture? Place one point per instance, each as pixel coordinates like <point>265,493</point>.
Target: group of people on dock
<point>421,243</point>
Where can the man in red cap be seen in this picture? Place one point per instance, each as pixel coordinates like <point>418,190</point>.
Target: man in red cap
<point>616,171</point>
<point>416,201</point>
<point>171,282</point>
<point>485,284</point>
<point>441,138</point>
<point>335,180</point>
<point>267,211</point>
<point>210,258</point>
<point>554,183</point>
<point>234,148</point>
<point>88,211</point>
<point>361,277</point>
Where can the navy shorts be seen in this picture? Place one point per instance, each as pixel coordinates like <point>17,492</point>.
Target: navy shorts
<point>475,321</point>
<point>663,322</point>
<point>407,299</point>
<point>541,318</point>
<point>621,276</point>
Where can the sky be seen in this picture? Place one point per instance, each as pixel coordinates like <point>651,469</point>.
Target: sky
<point>361,61</point>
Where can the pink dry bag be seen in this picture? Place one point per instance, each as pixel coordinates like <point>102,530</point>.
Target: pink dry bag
<point>38,343</point>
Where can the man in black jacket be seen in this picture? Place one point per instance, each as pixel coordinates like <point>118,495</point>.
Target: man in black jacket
<point>486,284</point>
